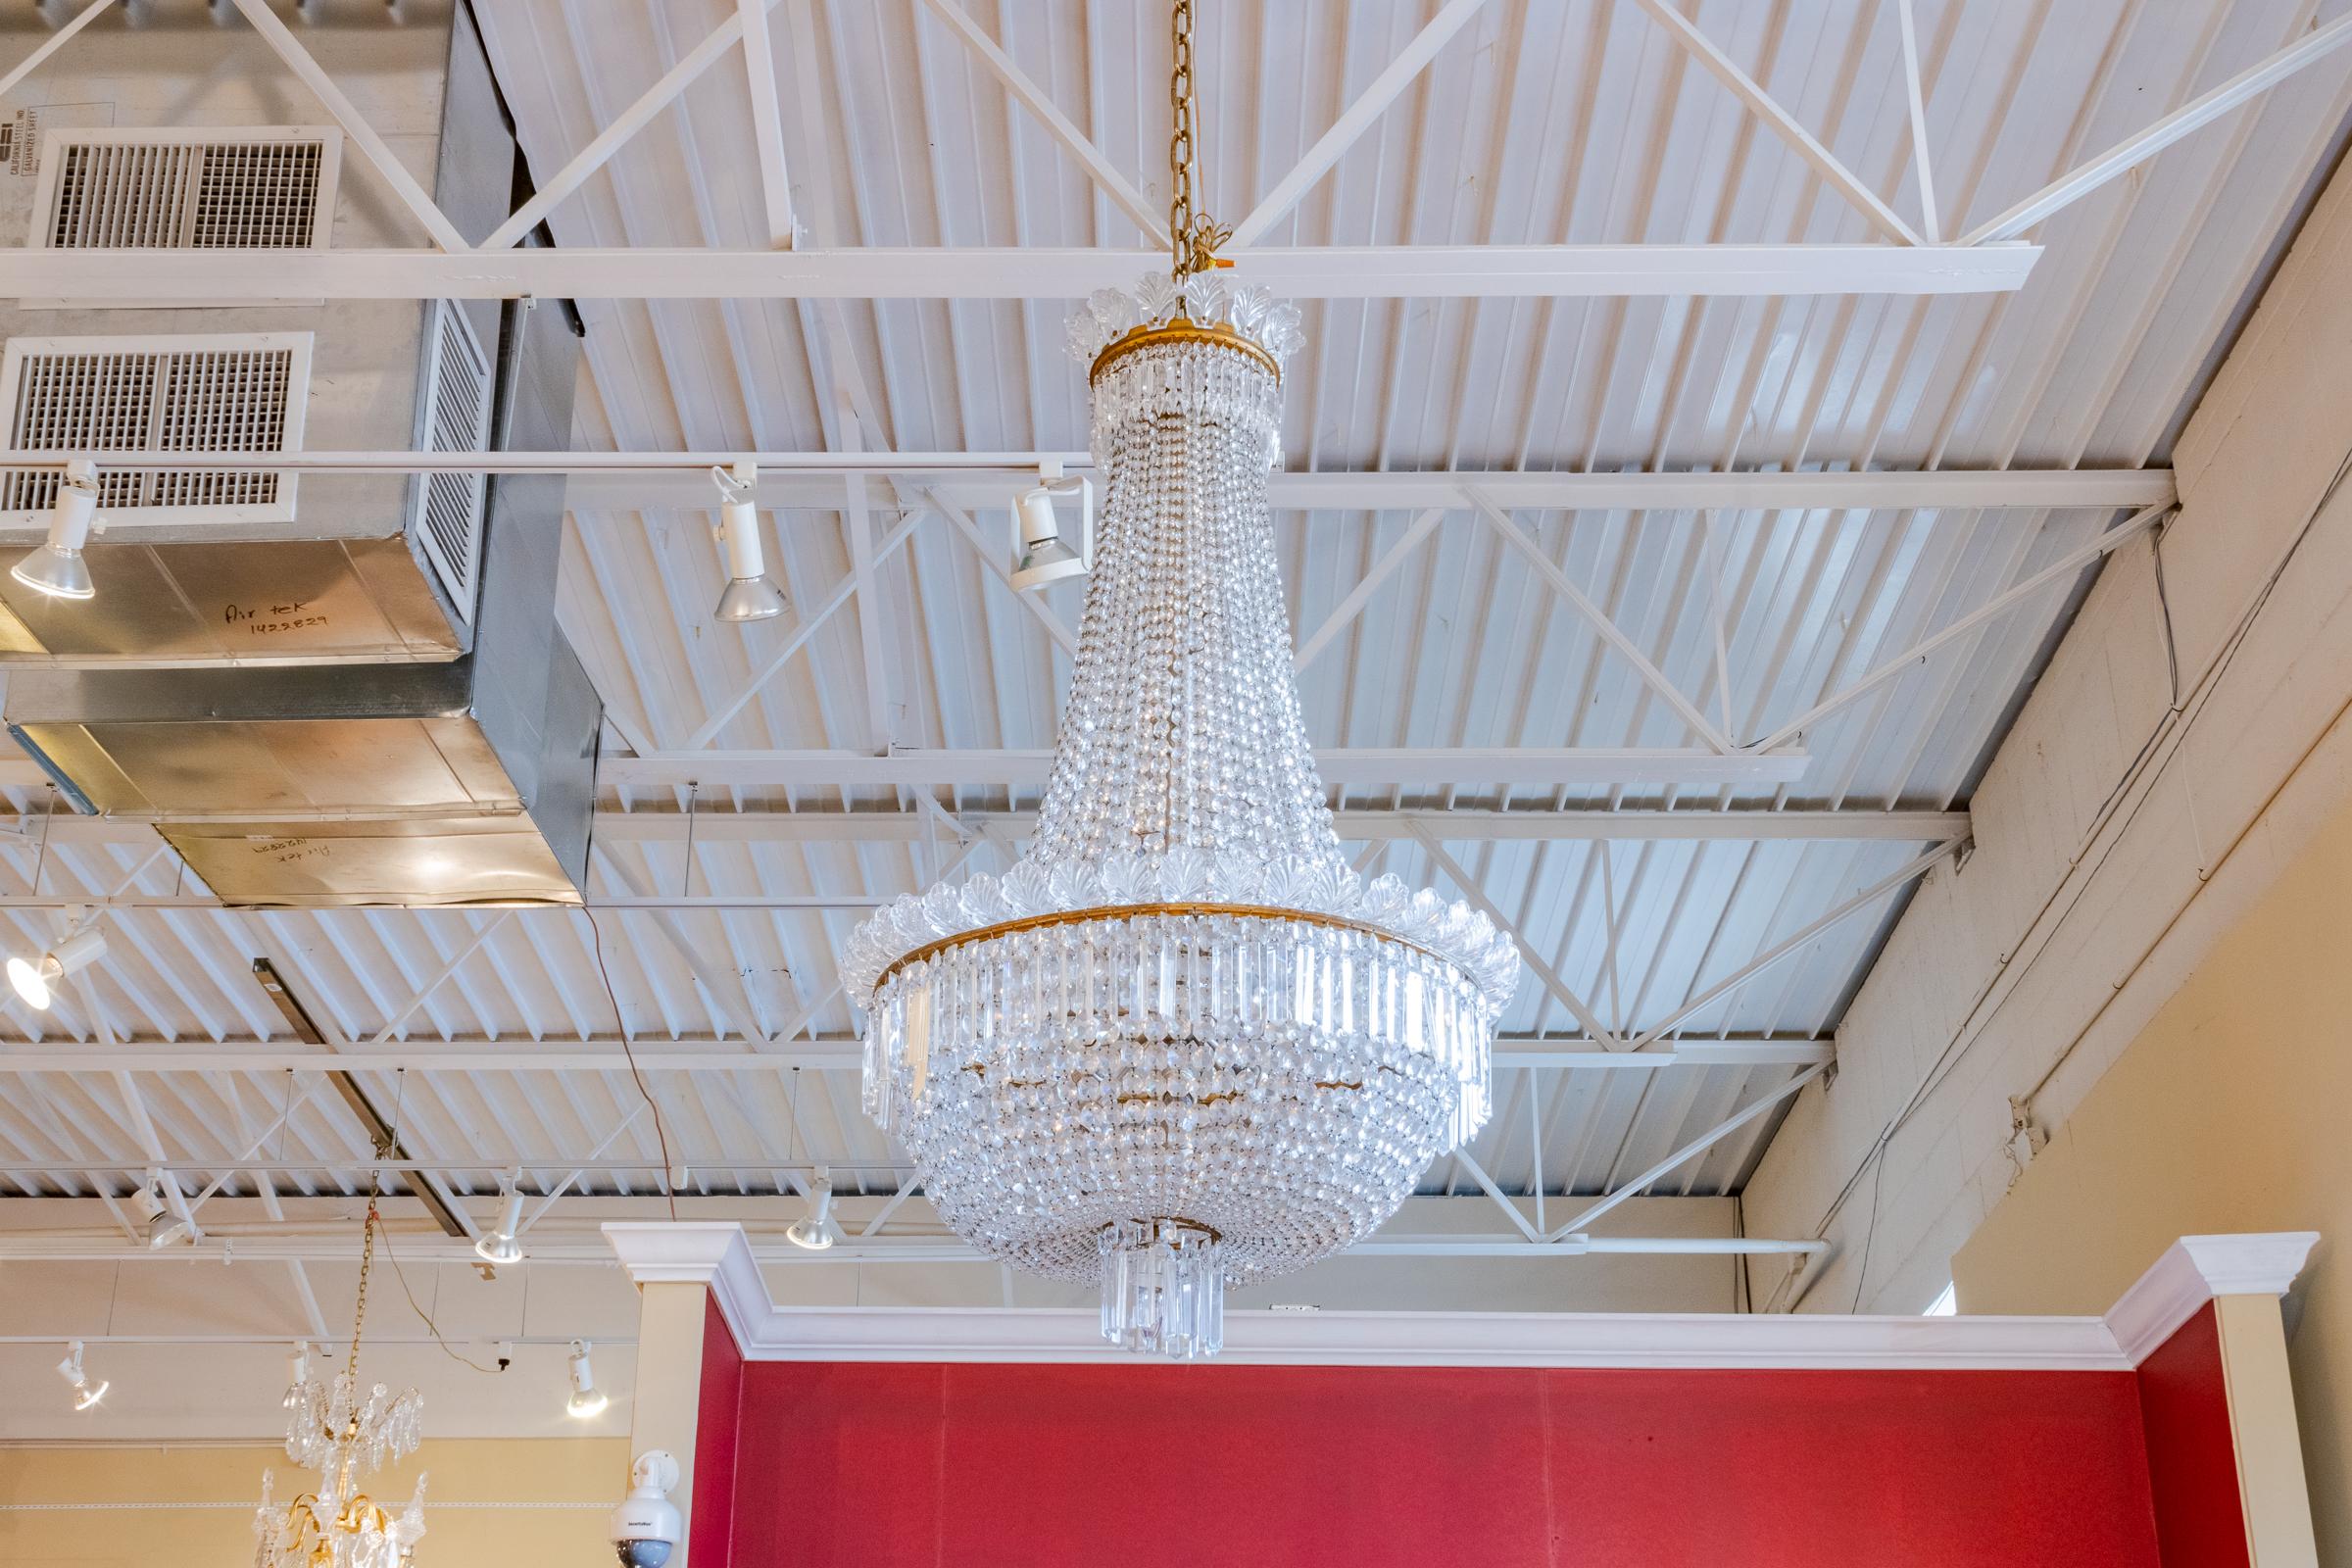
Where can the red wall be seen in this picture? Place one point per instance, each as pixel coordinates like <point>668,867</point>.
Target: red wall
<point>715,1425</point>
<point>1139,1466</point>
<point>2192,1462</point>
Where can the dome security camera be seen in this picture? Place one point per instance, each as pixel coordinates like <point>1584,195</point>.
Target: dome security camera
<point>646,1528</point>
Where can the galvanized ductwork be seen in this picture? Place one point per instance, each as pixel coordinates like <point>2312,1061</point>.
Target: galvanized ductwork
<point>347,690</point>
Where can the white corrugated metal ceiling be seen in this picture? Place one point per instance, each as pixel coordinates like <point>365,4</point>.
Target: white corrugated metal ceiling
<point>1543,122</point>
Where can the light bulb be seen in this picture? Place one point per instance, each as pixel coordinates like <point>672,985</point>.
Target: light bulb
<point>749,595</point>
<point>812,1229</point>
<point>35,979</point>
<point>86,1395</point>
<point>587,1401</point>
<point>54,566</point>
<point>504,1243</point>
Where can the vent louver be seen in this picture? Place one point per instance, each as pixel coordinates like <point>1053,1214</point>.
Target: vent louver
<point>457,418</point>
<point>199,393</point>
<point>259,187</point>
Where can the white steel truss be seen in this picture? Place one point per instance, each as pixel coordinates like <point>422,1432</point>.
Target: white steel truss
<point>1986,259</point>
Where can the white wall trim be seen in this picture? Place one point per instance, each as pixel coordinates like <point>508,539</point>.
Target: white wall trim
<point>2195,1271</point>
<point>715,1253</point>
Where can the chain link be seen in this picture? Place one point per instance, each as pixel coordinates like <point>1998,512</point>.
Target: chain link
<point>1192,239</point>
<point>366,1262</point>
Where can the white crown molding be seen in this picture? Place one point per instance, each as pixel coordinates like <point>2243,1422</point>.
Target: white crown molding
<point>2195,1271</point>
<point>1459,1338</point>
<point>712,1253</point>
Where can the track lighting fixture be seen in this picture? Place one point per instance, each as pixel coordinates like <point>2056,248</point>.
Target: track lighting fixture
<point>86,1395</point>
<point>163,1226</point>
<point>749,595</point>
<point>35,979</point>
<point>504,1243</point>
<point>586,1403</point>
<point>55,567</point>
<point>1040,553</point>
<point>814,1230</point>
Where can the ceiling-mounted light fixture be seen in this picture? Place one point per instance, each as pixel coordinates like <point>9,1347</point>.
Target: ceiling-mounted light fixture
<point>1180,1045</point>
<point>504,1243</point>
<point>587,1401</point>
<point>1040,553</point>
<point>163,1227</point>
<point>749,595</point>
<point>55,567</point>
<point>86,1395</point>
<point>35,979</point>
<point>814,1230</point>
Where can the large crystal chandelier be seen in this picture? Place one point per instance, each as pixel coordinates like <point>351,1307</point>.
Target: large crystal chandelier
<point>1180,1045</point>
<point>332,1430</point>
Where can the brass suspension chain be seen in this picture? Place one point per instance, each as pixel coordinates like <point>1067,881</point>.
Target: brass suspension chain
<point>358,1317</point>
<point>1193,238</point>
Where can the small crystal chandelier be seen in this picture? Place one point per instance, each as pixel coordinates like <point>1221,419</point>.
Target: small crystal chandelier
<point>1180,1045</point>
<point>330,1429</point>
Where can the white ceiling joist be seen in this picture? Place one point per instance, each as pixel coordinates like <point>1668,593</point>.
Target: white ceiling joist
<point>615,481</point>
<point>824,1054</point>
<point>225,277</point>
<point>821,824</point>
<point>1463,765</point>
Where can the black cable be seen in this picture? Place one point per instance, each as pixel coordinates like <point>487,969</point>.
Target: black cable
<point>621,1026</point>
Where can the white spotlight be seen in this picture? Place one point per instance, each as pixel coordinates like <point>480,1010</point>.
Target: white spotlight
<point>814,1230</point>
<point>1039,553</point>
<point>37,978</point>
<point>55,567</point>
<point>749,595</point>
<point>163,1227</point>
<point>586,1403</point>
<point>86,1395</point>
<point>504,1243</point>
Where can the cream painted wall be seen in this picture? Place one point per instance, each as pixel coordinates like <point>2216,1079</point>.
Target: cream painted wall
<point>2230,1111</point>
<point>502,1503</point>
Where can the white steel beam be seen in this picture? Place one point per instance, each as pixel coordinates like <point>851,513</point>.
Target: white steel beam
<point>1601,623</point>
<point>1104,173</point>
<point>100,278</point>
<point>1699,1144</point>
<point>51,45</point>
<point>604,481</point>
<point>2136,150</point>
<point>1931,223</point>
<point>372,146</point>
<point>1340,765</point>
<point>832,1054</point>
<point>1910,870</point>
<point>1353,122</point>
<point>608,141</point>
<point>825,824</point>
<point>806,627</point>
<point>1469,888</point>
<point>2065,566</point>
<point>1803,142</point>
<point>768,123</point>
<point>1361,594</point>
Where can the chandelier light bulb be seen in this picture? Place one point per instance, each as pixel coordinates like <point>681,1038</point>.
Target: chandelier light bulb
<point>35,979</point>
<point>503,1243</point>
<point>86,1394</point>
<point>814,1230</point>
<point>587,1401</point>
<point>54,566</point>
<point>749,595</point>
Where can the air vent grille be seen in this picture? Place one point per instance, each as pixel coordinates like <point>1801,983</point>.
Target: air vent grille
<point>248,188</point>
<point>157,394</point>
<point>457,418</point>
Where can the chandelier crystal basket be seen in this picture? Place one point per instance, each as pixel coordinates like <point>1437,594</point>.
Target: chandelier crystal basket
<point>1180,1046</point>
<point>333,1429</point>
